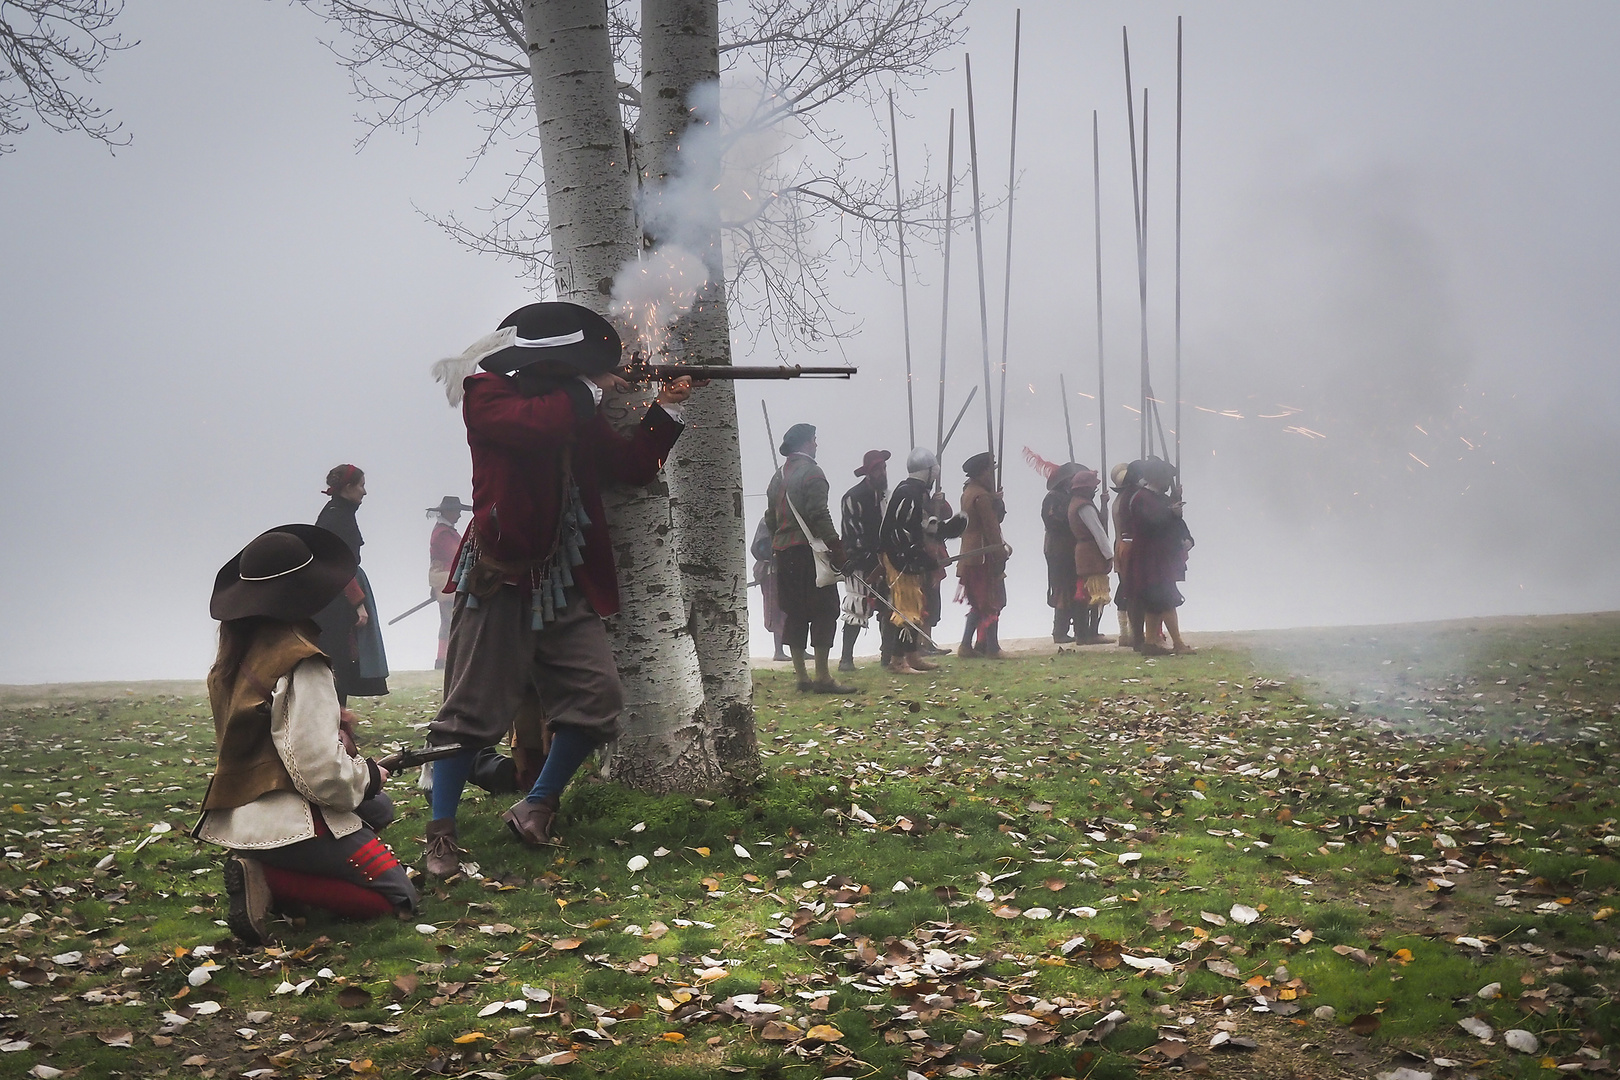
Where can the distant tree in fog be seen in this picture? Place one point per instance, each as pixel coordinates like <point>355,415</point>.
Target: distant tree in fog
<point>48,49</point>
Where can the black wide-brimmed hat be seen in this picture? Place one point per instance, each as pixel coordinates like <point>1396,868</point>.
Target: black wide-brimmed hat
<point>978,463</point>
<point>450,504</point>
<point>560,335</point>
<point>290,572</point>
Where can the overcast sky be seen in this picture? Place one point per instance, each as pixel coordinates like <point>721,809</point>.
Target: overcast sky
<point>1400,238</point>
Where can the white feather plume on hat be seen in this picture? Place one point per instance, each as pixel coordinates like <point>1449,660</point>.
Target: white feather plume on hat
<point>453,370</point>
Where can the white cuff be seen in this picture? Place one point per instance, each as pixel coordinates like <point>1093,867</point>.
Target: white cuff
<point>676,412</point>
<point>596,391</point>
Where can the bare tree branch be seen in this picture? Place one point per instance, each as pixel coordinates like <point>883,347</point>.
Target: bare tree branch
<point>45,47</point>
<point>804,202</point>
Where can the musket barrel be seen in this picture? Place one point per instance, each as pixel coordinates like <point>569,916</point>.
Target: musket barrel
<point>666,372</point>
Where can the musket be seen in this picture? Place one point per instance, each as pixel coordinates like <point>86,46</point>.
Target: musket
<point>640,370</point>
<point>414,610</point>
<point>410,757</point>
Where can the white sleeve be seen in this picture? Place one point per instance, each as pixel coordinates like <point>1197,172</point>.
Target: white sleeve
<point>596,391</point>
<point>676,411</point>
<point>304,728</point>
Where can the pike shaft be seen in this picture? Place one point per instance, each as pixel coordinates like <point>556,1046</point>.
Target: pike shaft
<point>1068,426</point>
<point>770,437</point>
<point>905,299</point>
<point>1006,284</point>
<point>978,243</point>
<point>945,282</point>
<point>959,414</point>
<point>1178,248</point>
<point>1102,394</point>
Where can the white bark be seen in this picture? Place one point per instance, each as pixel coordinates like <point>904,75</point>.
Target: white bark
<point>680,51</point>
<point>664,742</point>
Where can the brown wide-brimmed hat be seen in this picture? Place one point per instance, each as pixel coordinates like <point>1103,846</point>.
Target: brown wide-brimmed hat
<point>1059,480</point>
<point>290,572</point>
<point>872,460</point>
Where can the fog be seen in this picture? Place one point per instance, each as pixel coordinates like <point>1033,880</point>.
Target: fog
<point>1399,332</point>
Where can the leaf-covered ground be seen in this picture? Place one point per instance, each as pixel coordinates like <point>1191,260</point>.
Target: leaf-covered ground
<point>1320,854</point>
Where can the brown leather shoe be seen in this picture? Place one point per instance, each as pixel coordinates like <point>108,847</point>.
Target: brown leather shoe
<point>443,856</point>
<point>917,663</point>
<point>531,822</point>
<point>967,652</point>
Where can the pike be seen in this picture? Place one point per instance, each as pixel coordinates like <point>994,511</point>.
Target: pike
<point>945,281</point>
<point>959,414</point>
<point>1178,256</point>
<point>1006,283</point>
<point>905,299</point>
<point>771,438</point>
<point>978,244</point>
<point>1068,428</point>
<point>1102,393</point>
<point>1138,199</point>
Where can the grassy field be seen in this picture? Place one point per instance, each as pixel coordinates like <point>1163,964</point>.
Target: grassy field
<point>1315,854</point>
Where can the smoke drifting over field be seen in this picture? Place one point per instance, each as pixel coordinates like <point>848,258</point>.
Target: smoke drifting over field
<point>1399,398</point>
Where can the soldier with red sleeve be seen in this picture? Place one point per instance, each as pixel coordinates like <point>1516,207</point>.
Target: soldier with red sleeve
<point>535,575</point>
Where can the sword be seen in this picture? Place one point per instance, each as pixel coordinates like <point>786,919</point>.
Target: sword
<point>414,610</point>
<point>875,595</point>
<point>976,551</point>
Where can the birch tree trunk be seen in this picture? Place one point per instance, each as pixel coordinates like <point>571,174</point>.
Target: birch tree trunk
<point>680,51</point>
<point>665,743</point>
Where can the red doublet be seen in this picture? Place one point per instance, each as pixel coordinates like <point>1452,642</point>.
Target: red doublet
<point>519,447</point>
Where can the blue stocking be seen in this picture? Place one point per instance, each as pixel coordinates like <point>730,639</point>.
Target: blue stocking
<point>569,748</point>
<point>449,778</point>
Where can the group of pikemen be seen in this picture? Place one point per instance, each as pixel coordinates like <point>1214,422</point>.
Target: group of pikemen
<point>890,551</point>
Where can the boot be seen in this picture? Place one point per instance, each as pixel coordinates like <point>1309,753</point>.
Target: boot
<point>1093,619</point>
<point>901,665</point>
<point>779,656</point>
<point>847,661</point>
<point>443,856</point>
<point>1060,626</point>
<point>917,663</point>
<point>967,651</point>
<point>824,683</point>
<point>494,772</point>
<point>990,641</point>
<point>530,820</point>
<point>1124,640</point>
<point>249,900</point>
<point>800,670</point>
